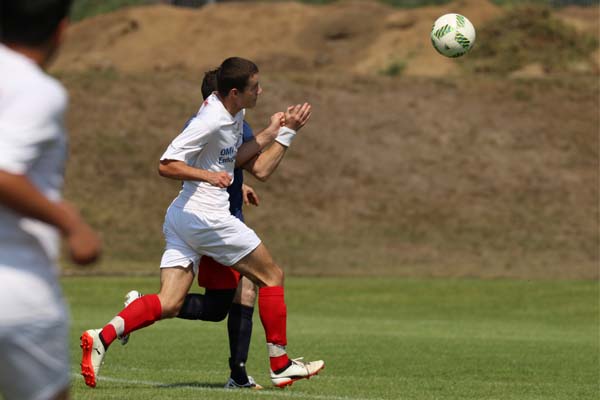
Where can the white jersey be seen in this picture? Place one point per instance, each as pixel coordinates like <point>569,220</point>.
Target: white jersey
<point>32,143</point>
<point>210,142</point>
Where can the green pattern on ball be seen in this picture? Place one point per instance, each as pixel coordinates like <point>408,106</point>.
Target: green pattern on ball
<point>460,21</point>
<point>462,40</point>
<point>442,31</point>
<point>435,47</point>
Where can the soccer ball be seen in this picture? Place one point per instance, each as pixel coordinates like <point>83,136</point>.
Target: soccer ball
<point>452,35</point>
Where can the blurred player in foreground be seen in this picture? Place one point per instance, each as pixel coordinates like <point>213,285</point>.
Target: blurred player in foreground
<point>198,223</point>
<point>226,294</point>
<point>34,356</point>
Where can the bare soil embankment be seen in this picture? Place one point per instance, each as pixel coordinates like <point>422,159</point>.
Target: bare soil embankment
<point>435,172</point>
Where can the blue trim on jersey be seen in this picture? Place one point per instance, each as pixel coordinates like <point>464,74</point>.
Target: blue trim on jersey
<point>236,199</point>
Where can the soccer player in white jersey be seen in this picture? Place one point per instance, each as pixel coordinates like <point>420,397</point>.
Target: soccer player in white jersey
<point>227,294</point>
<point>198,222</point>
<point>34,357</point>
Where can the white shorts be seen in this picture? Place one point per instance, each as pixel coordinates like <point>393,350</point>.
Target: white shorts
<point>34,359</point>
<point>190,235</point>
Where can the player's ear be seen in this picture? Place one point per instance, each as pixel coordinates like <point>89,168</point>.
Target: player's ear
<point>234,92</point>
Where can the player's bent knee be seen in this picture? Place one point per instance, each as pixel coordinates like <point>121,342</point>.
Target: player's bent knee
<point>170,308</point>
<point>260,268</point>
<point>217,312</point>
<point>217,303</point>
<point>217,315</point>
<point>175,282</point>
<point>274,276</point>
<point>170,311</point>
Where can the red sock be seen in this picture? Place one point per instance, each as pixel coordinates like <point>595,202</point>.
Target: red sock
<point>139,314</point>
<point>273,315</point>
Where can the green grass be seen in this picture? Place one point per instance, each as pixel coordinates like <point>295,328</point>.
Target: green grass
<point>381,339</point>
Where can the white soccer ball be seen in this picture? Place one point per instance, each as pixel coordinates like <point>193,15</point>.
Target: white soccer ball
<point>452,35</point>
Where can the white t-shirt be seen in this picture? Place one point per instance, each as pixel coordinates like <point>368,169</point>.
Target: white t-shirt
<point>32,143</point>
<point>209,142</point>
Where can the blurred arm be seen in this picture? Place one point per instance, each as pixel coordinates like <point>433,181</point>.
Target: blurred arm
<point>20,195</point>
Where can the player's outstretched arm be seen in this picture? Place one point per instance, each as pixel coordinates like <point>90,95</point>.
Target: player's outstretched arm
<point>179,170</point>
<point>20,195</point>
<point>263,166</point>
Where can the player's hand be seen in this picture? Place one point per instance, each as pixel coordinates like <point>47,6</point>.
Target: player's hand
<point>83,243</point>
<point>249,195</point>
<point>297,116</point>
<point>277,121</point>
<point>219,179</point>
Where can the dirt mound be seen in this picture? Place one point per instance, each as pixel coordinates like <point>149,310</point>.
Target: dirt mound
<point>393,176</point>
<point>162,37</point>
<point>358,37</point>
<point>354,37</point>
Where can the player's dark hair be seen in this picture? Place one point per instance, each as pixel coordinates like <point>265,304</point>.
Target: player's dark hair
<point>31,22</point>
<point>209,83</point>
<point>234,73</point>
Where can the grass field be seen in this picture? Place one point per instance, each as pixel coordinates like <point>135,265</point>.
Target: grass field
<point>381,339</point>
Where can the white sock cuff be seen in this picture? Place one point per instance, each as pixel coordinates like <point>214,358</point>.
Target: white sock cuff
<point>276,350</point>
<point>119,324</point>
